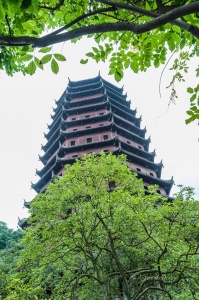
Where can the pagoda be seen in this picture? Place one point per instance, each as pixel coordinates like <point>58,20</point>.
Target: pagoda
<point>94,115</point>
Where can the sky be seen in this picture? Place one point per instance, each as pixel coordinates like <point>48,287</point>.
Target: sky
<point>26,104</point>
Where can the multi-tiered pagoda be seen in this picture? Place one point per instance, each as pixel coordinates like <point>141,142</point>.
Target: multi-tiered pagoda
<point>94,115</point>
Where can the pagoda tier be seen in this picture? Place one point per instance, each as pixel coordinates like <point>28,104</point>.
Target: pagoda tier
<point>94,115</point>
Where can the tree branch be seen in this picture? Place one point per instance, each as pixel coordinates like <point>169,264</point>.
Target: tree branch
<point>152,288</point>
<point>159,20</point>
<point>61,2</point>
<point>184,10</point>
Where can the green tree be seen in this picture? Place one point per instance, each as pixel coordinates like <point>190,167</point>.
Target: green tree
<point>9,252</point>
<point>95,234</point>
<point>129,34</point>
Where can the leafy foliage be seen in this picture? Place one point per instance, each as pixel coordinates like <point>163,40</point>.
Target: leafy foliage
<point>9,251</point>
<point>95,234</point>
<point>128,34</point>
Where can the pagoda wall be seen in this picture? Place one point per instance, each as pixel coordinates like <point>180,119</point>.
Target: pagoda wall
<point>87,126</point>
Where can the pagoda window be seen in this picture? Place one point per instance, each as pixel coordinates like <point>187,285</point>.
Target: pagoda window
<point>87,127</point>
<point>106,150</point>
<point>72,143</point>
<point>87,116</point>
<point>159,192</point>
<point>138,169</point>
<point>102,113</point>
<point>74,129</point>
<point>75,155</point>
<point>139,147</point>
<point>105,137</point>
<point>128,142</point>
<point>73,119</point>
<point>151,174</point>
<point>89,140</point>
<point>101,124</point>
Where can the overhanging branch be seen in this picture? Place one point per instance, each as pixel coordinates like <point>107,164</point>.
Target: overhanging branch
<point>159,20</point>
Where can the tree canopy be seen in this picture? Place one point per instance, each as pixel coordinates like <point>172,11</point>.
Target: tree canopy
<point>131,34</point>
<point>95,234</point>
<point>9,251</point>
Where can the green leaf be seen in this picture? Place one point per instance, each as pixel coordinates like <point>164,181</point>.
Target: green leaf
<point>176,28</point>
<point>90,54</point>
<point>26,57</point>
<point>54,66</point>
<point>83,61</point>
<point>45,50</point>
<point>60,57</point>
<point>189,90</point>
<point>31,68</point>
<point>45,59</point>
<point>193,97</point>
<point>38,63</point>
<point>188,121</point>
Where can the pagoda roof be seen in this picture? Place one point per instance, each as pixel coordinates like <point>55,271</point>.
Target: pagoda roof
<point>142,161</point>
<point>141,153</point>
<point>122,106</point>
<point>84,93</point>
<point>84,81</point>
<point>54,126</point>
<point>134,128</point>
<point>74,89</point>
<point>112,86</point>
<point>46,167</point>
<point>135,137</point>
<point>130,117</point>
<point>51,139</point>
<point>165,184</point>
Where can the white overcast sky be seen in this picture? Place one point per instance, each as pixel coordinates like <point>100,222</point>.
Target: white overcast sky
<point>26,104</point>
